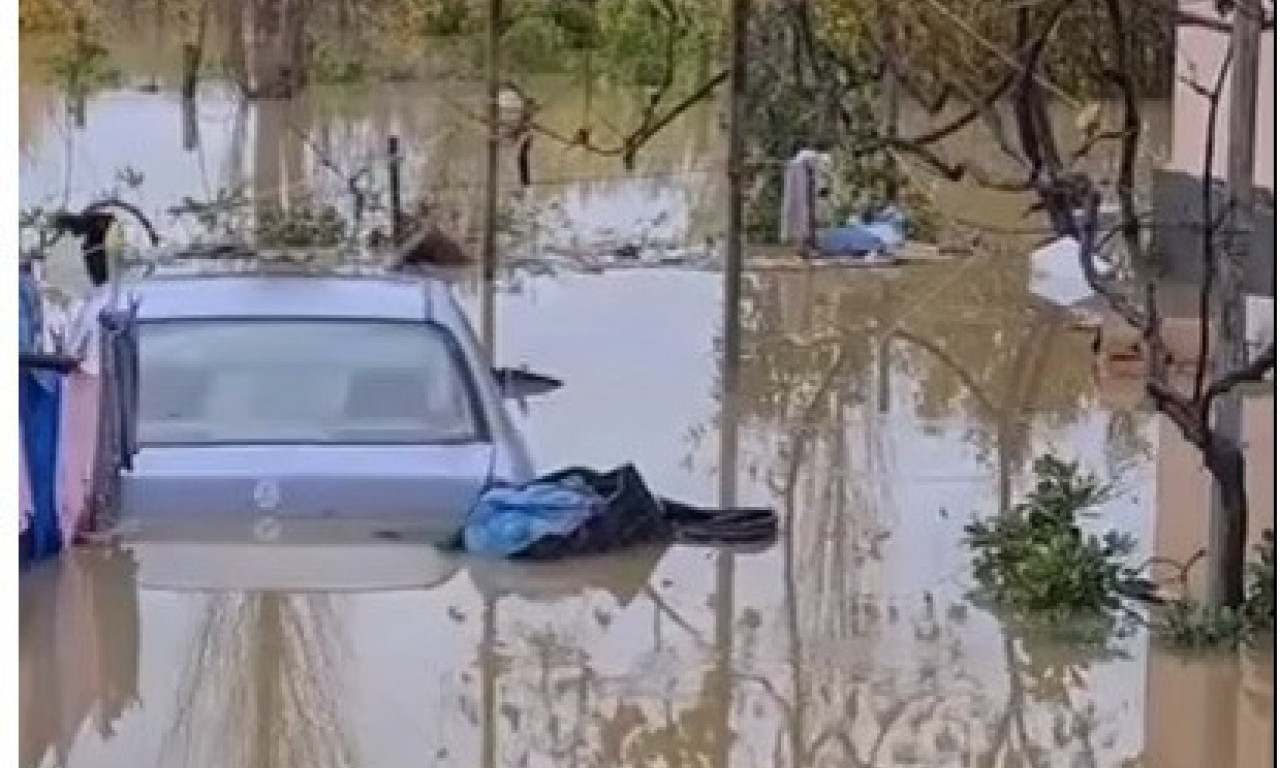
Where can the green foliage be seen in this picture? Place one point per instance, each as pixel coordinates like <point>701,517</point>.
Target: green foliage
<point>81,65</point>
<point>1190,625</point>
<point>332,65</point>
<point>442,18</point>
<point>48,16</point>
<point>219,217</point>
<point>1260,587</point>
<point>796,97</point>
<point>301,226</point>
<point>1036,560</point>
<point>577,21</point>
<point>956,41</point>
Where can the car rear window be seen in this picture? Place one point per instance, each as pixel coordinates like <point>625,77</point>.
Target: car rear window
<point>214,382</point>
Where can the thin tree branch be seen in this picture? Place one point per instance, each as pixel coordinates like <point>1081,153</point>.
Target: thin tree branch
<point>1131,131</point>
<point>1184,18</point>
<point>1208,229</point>
<point>1253,372</point>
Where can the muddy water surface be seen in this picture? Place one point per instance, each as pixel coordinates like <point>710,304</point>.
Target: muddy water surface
<point>848,643</point>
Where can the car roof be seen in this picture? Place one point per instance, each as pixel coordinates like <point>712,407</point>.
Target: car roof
<point>381,297</point>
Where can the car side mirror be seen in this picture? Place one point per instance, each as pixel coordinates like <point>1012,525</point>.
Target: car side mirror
<point>518,383</point>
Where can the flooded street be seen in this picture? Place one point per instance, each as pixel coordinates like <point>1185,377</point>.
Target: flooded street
<point>849,643</point>
<point>879,412</point>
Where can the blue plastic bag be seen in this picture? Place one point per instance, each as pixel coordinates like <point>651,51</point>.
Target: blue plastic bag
<point>508,520</point>
<point>883,232</point>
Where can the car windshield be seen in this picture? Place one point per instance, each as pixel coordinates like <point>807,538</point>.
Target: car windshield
<point>233,381</point>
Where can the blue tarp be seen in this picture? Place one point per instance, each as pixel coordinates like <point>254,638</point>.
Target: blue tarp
<point>39,404</point>
<point>884,232</point>
<point>39,409</point>
<point>29,314</point>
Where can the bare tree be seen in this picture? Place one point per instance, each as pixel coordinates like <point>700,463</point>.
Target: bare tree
<point>992,60</point>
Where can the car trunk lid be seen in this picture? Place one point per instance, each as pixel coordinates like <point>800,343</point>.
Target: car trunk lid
<point>398,490</point>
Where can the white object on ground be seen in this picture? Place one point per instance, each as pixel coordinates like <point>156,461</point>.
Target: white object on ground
<point>1056,274</point>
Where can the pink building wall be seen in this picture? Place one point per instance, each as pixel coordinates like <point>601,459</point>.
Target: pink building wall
<point>1199,54</point>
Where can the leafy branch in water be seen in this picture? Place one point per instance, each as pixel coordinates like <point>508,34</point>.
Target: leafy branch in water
<point>1037,561</point>
<point>300,226</point>
<point>222,216</point>
<point>1190,625</point>
<point>1039,566</point>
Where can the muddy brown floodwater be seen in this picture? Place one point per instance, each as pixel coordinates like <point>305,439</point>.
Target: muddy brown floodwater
<point>849,643</point>
<point>878,413</point>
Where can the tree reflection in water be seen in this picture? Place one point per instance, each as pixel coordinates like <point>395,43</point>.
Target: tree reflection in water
<point>262,686</point>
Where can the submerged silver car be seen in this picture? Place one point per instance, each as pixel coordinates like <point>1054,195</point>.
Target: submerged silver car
<point>307,405</point>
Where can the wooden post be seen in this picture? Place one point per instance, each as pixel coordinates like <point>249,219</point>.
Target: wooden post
<point>733,237</point>
<point>190,70</point>
<point>393,174</point>
<point>489,684</point>
<point>730,372</point>
<point>190,126</point>
<point>725,608</point>
<point>1227,527</point>
<point>489,250</point>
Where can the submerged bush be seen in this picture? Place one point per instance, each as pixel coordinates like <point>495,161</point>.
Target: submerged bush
<point>301,226</point>
<point>1260,589</point>
<point>1038,564</point>
<point>1190,625</point>
<point>1036,560</point>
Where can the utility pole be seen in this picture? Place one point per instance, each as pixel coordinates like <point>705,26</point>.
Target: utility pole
<point>730,376</point>
<point>1227,527</point>
<point>892,108</point>
<point>489,245</point>
<point>733,237</point>
<point>489,253</point>
<point>393,180</point>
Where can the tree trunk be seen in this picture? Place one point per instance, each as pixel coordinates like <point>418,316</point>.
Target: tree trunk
<point>190,70</point>
<point>732,298</point>
<point>1228,535</point>
<point>190,126</point>
<point>279,49</point>
<point>489,247</point>
<point>237,56</point>
<point>1227,460</point>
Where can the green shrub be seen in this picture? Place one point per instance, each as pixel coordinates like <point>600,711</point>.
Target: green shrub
<point>1037,562</point>
<point>1190,625</point>
<point>1260,588</point>
<point>301,226</point>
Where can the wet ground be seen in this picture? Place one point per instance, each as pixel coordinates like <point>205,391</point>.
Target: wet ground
<point>878,412</point>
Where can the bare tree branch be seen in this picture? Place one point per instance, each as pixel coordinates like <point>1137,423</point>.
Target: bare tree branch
<point>1209,227</point>
<point>1255,371</point>
<point>1089,144</point>
<point>1185,18</point>
<point>1131,131</point>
